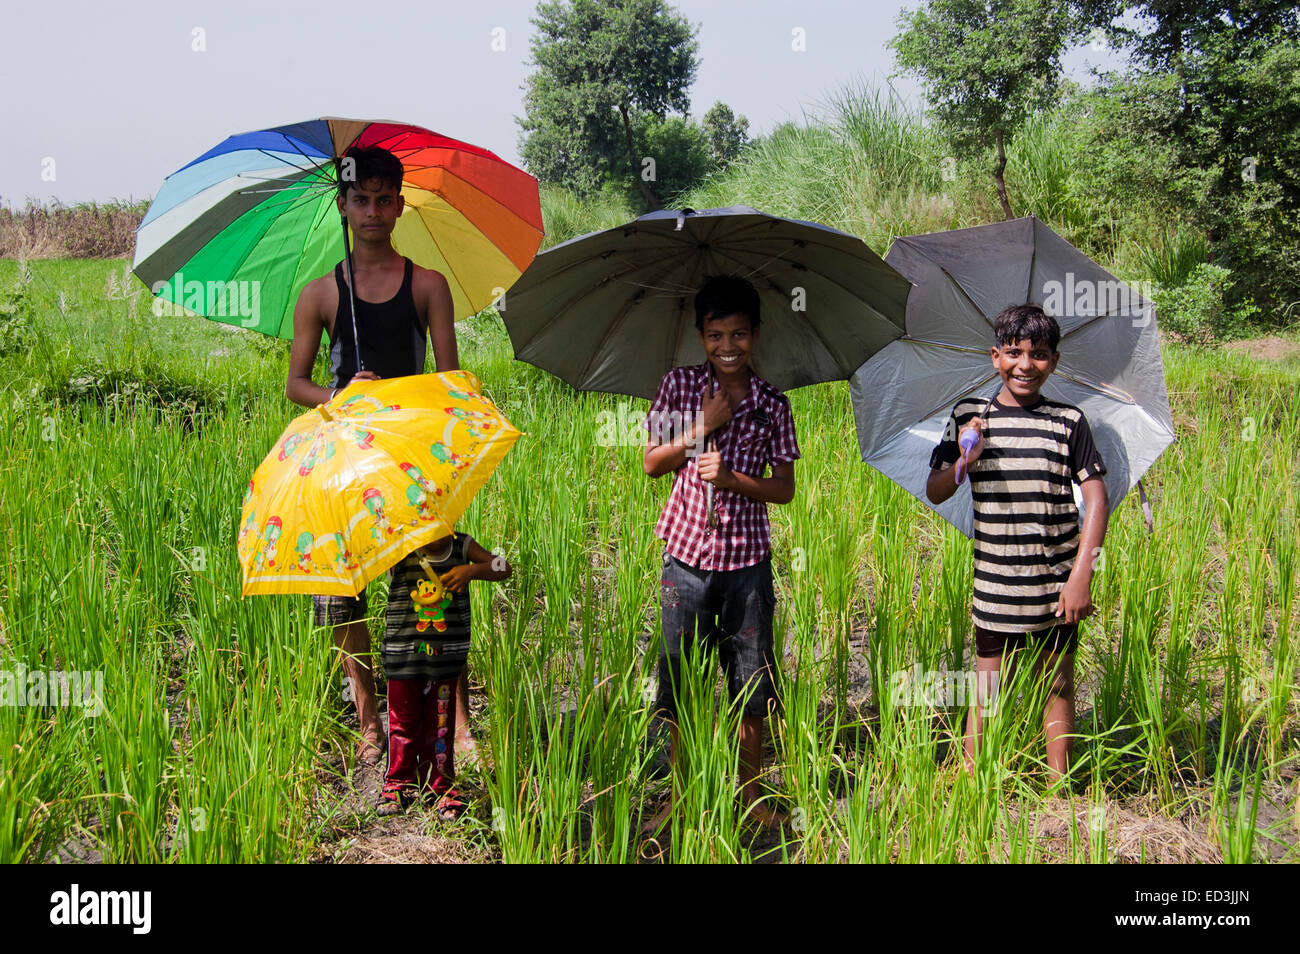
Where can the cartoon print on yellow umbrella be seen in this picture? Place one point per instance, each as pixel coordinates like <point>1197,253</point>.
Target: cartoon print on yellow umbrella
<point>359,482</point>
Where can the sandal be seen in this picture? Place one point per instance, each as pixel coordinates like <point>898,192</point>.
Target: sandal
<point>449,806</point>
<point>393,800</point>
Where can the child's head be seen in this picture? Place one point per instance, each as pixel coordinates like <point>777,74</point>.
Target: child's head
<point>726,316</point>
<point>1018,322</point>
<point>723,296</point>
<point>1024,354</point>
<point>370,164</point>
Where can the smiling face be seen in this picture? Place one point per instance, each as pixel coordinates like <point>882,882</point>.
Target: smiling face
<point>728,343</point>
<point>1023,367</point>
<point>372,209</point>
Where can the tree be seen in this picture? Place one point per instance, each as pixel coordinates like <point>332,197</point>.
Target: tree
<point>600,66</point>
<point>987,66</point>
<point>681,155</point>
<point>1217,91</point>
<point>727,135</point>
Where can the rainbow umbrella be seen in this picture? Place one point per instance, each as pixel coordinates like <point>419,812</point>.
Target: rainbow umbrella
<point>354,485</point>
<point>236,234</point>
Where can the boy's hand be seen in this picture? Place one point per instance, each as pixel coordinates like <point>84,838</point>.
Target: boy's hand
<point>1075,603</point>
<point>713,471</point>
<point>976,425</point>
<point>365,376</point>
<point>458,577</point>
<point>715,411</point>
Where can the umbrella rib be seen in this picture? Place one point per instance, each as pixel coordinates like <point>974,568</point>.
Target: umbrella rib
<point>943,344</point>
<point>964,394</point>
<point>1094,318</point>
<point>613,327</point>
<point>1108,389</point>
<point>952,278</point>
<point>824,276</point>
<point>314,165</point>
<point>582,293</point>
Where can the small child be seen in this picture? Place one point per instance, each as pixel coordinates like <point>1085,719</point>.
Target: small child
<point>424,651</point>
<point>1033,565</point>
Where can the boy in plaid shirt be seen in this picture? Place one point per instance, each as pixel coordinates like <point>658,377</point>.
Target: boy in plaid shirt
<point>717,575</point>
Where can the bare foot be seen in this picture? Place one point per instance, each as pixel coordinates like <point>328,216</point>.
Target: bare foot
<point>467,754</point>
<point>656,824</point>
<point>370,751</point>
<point>768,818</point>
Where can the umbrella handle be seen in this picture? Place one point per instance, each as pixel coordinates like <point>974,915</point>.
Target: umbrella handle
<point>352,298</point>
<point>710,443</point>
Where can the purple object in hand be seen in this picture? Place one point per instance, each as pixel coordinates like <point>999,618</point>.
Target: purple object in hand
<point>967,440</point>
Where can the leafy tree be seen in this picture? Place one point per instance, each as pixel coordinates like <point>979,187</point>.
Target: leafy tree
<point>681,153</point>
<point>987,65</point>
<point>1217,98</point>
<point>599,67</point>
<point>727,134</point>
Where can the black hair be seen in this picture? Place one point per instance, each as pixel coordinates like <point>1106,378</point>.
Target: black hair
<point>371,162</point>
<point>1018,322</point>
<point>723,296</point>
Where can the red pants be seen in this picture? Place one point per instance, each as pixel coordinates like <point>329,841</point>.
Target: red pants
<point>421,727</point>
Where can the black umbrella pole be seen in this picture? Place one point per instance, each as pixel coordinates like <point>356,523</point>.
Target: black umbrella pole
<point>352,295</point>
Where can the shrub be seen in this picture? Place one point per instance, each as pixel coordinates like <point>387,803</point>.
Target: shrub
<point>1197,311</point>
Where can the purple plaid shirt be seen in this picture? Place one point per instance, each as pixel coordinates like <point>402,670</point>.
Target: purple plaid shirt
<point>760,433</point>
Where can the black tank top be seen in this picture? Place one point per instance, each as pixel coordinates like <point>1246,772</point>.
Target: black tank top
<point>392,340</point>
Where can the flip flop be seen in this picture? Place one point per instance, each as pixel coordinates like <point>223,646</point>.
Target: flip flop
<point>449,806</point>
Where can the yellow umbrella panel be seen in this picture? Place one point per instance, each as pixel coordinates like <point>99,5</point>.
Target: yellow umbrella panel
<point>355,485</point>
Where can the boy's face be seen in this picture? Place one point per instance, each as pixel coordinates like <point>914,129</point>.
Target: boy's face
<point>1023,367</point>
<point>372,209</point>
<point>728,342</point>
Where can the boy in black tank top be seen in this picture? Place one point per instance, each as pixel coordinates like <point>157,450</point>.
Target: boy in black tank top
<point>397,304</point>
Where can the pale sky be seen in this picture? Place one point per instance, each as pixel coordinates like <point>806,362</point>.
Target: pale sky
<point>110,99</point>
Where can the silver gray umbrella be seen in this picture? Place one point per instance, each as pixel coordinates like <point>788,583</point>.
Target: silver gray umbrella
<point>614,311</point>
<point>1110,364</point>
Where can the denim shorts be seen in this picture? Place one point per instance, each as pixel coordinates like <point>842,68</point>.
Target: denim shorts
<point>338,610</point>
<point>728,609</point>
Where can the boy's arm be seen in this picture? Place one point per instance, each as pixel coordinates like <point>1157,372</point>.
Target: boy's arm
<point>660,459</point>
<point>777,489</point>
<point>489,567</point>
<point>433,302</point>
<point>1075,603</point>
<point>307,329</point>
<point>782,453</point>
<point>942,482</point>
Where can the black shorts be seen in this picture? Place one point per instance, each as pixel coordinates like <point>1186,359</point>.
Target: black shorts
<point>1063,637</point>
<point>338,610</point>
<point>729,609</point>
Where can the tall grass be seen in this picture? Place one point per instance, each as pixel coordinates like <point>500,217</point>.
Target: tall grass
<point>119,513</point>
<point>84,230</point>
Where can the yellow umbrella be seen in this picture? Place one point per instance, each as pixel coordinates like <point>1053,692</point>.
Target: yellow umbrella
<point>352,487</point>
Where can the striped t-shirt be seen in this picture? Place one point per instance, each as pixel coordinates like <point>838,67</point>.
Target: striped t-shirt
<point>1026,521</point>
<point>432,653</point>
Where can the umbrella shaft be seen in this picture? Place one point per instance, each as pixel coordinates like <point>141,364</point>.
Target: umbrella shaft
<point>352,294</point>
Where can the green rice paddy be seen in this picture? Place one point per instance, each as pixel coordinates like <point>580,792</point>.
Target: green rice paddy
<point>221,724</point>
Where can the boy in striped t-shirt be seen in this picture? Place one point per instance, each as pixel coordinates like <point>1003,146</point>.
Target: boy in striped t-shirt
<point>1031,587</point>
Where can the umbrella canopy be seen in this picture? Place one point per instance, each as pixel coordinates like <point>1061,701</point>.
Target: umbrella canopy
<point>1110,356</point>
<point>614,310</point>
<point>353,486</point>
<point>236,234</point>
